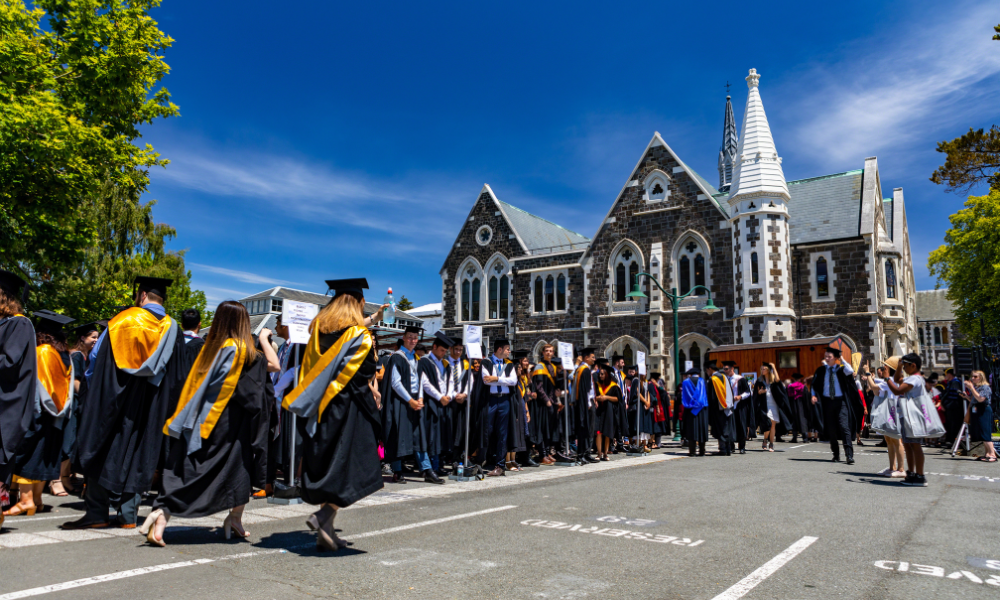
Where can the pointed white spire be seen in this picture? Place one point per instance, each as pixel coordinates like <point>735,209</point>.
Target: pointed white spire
<point>758,166</point>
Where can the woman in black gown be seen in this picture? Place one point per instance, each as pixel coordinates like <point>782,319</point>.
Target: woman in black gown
<point>219,431</point>
<point>336,400</point>
<point>608,396</point>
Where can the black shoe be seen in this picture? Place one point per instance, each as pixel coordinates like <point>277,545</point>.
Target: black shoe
<point>441,473</point>
<point>743,451</point>
<point>691,453</point>
<point>850,461</point>
<point>531,463</point>
<point>560,457</point>
<point>398,478</point>
<point>835,459</point>
<point>431,477</point>
<point>860,443</point>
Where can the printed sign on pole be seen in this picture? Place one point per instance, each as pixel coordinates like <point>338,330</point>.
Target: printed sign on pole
<point>566,355</point>
<point>688,365</point>
<point>472,338</point>
<point>640,358</point>
<point>297,316</point>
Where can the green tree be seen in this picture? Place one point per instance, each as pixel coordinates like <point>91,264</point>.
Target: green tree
<point>73,94</point>
<point>404,304</point>
<point>969,264</point>
<point>971,159</point>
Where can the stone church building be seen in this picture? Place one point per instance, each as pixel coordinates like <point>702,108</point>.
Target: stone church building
<point>784,260</point>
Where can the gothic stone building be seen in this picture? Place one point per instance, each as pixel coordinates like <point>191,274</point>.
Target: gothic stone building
<point>784,260</point>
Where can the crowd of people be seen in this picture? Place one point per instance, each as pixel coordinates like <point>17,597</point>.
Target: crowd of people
<point>139,403</point>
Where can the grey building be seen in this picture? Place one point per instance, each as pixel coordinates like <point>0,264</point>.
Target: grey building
<point>937,329</point>
<point>816,257</point>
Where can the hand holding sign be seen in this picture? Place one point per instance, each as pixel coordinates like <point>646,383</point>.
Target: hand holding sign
<point>472,338</point>
<point>566,355</point>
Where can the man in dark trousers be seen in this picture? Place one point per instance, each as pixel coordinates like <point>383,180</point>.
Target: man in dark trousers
<point>833,384</point>
<point>953,401</point>
<point>584,406</point>
<point>743,411</point>
<point>499,379</point>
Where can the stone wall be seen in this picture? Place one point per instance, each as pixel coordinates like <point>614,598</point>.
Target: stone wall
<point>848,274</point>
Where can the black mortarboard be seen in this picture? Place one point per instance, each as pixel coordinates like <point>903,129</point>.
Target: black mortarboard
<point>632,368</point>
<point>412,329</point>
<point>601,361</point>
<point>729,363</point>
<point>607,367</point>
<point>616,358</point>
<point>347,286</point>
<point>796,375</point>
<point>14,286</point>
<point>152,285</point>
<point>585,352</point>
<point>933,377</point>
<point>83,330</point>
<point>500,343</point>
<point>949,371</point>
<point>519,354</point>
<point>692,371</point>
<point>712,365</point>
<point>654,375</point>
<point>50,322</point>
<point>441,339</point>
<point>834,351</point>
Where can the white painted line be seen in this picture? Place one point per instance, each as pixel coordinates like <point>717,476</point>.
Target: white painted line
<point>426,523</point>
<point>124,575</point>
<point>799,446</point>
<point>751,581</point>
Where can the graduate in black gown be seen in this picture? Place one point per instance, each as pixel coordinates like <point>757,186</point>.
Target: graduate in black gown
<point>337,401</point>
<point>84,337</point>
<point>528,395</point>
<point>584,406</point>
<point>461,384</point>
<point>694,400</point>
<point>39,454</point>
<point>744,415</point>
<point>720,404</point>
<point>18,377</point>
<point>138,372</point>
<point>435,381</point>
<point>608,396</point>
<point>771,400</point>
<point>545,417</point>
<point>218,433</point>
<point>516,432</point>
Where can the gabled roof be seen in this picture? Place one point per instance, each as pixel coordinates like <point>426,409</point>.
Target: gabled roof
<point>934,305</point>
<point>314,298</point>
<point>538,234</point>
<point>825,208</point>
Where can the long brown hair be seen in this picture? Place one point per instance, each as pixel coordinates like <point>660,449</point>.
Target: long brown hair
<point>231,320</point>
<point>340,313</point>
<point>9,305</point>
<point>42,337</point>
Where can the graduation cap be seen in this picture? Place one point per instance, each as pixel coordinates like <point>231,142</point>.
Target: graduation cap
<point>796,375</point>
<point>47,321</point>
<point>834,351</point>
<point>500,343</point>
<point>601,361</point>
<point>712,365</point>
<point>692,371</point>
<point>607,368</point>
<point>354,286</point>
<point>729,363</point>
<point>585,352</point>
<point>441,339</point>
<point>632,368</point>
<point>654,375</point>
<point>933,377</point>
<point>412,329</point>
<point>151,285</point>
<point>949,371</point>
<point>14,286</point>
<point>616,358</point>
<point>83,330</point>
<point>519,354</point>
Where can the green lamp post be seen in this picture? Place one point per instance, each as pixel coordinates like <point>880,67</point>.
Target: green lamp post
<point>675,303</point>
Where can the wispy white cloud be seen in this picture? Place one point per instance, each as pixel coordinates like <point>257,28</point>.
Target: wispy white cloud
<point>924,76</point>
<point>244,276</point>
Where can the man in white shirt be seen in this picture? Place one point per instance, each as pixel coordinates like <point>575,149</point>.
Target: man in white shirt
<point>501,376</point>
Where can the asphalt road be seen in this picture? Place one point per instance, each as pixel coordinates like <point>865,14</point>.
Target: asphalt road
<point>785,525</point>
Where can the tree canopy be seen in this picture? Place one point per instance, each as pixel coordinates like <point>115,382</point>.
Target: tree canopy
<point>404,303</point>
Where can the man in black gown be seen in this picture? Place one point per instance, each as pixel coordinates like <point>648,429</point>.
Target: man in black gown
<point>743,411</point>
<point>584,407</point>
<point>499,377</point>
<point>834,388</point>
<point>18,372</point>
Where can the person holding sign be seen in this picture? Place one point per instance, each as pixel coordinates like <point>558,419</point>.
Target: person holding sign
<point>219,430</point>
<point>499,378</point>
<point>337,407</point>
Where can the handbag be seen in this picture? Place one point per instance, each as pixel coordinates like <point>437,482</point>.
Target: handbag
<point>885,417</point>
<point>920,418</point>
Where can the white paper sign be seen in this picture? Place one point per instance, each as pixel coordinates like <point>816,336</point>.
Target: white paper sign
<point>297,316</point>
<point>566,355</point>
<point>640,358</point>
<point>688,365</point>
<point>472,338</point>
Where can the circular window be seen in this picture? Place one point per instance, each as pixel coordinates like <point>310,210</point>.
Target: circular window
<point>484,235</point>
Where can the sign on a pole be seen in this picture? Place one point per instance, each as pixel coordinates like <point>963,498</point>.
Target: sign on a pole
<point>688,365</point>
<point>297,316</point>
<point>472,338</point>
<point>640,358</point>
<point>566,355</point>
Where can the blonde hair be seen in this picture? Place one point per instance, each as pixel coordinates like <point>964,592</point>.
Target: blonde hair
<point>340,313</point>
<point>982,378</point>
<point>772,373</point>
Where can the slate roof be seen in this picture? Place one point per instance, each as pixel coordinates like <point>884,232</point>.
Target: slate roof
<point>314,298</point>
<point>540,234</point>
<point>933,305</point>
<point>825,208</point>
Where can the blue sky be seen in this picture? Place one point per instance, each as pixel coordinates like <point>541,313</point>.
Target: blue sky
<point>322,140</point>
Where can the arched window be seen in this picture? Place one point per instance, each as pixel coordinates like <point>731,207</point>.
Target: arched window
<point>561,292</point>
<point>476,284</point>
<point>944,335</point>
<point>890,279</point>
<point>550,296</point>
<point>627,355</point>
<point>937,336</point>
<point>754,270</point>
<point>494,297</point>
<point>696,356</point>
<point>691,266</point>
<point>822,282</point>
<point>626,267</point>
<point>921,332</point>
<point>683,358</point>
<point>539,306</point>
<point>466,300</point>
<point>504,296</point>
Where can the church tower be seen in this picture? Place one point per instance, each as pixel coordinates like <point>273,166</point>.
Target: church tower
<point>758,209</point>
<point>727,153</point>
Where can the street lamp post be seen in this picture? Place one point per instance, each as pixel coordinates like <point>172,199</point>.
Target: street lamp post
<point>675,302</point>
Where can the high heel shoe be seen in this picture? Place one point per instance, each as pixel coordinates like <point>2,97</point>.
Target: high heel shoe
<point>148,528</point>
<point>316,520</point>
<point>18,510</point>
<point>229,527</point>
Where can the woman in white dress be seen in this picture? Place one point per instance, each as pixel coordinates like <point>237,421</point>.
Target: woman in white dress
<point>771,398</point>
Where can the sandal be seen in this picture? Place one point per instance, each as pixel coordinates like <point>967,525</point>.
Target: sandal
<point>987,459</point>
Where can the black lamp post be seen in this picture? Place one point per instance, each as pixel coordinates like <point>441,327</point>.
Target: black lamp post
<point>675,302</point>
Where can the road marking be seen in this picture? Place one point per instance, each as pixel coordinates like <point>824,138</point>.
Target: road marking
<point>426,523</point>
<point>799,446</point>
<point>126,574</point>
<point>753,579</point>
<point>611,532</point>
<point>932,571</point>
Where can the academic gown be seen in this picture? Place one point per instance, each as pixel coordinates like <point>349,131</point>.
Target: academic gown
<point>544,426</point>
<point>232,459</point>
<point>18,378</point>
<point>403,430</point>
<point>39,455</point>
<point>516,439</point>
<point>120,435</point>
<point>780,395</point>
<point>479,408</point>
<point>606,421</point>
<point>744,415</point>
<point>433,418</point>
<point>340,461</point>
<point>621,409</point>
<point>461,385</point>
<point>80,364</point>
<point>695,419</point>
<point>584,416</point>
<point>656,399</point>
<point>722,425</point>
<point>855,406</point>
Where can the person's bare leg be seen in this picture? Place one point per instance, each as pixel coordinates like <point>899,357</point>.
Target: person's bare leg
<point>918,458</point>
